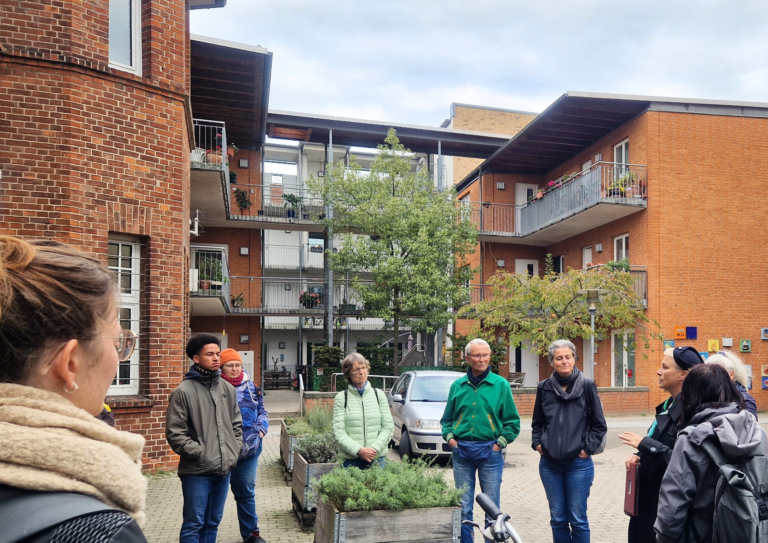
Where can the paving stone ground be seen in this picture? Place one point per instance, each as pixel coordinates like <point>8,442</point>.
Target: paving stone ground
<point>522,495</point>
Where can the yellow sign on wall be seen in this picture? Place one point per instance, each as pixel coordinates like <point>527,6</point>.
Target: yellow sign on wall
<point>713,345</point>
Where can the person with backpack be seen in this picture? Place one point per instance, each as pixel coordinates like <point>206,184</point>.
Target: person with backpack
<point>568,427</point>
<point>362,422</point>
<point>655,449</point>
<point>718,466</point>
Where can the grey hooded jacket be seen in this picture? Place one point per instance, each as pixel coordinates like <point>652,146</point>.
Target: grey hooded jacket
<point>686,502</point>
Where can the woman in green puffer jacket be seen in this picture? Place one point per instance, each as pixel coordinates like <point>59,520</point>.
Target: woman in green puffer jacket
<point>362,423</point>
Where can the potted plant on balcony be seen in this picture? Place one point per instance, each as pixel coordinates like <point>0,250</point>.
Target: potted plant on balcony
<point>309,300</point>
<point>232,177</point>
<point>238,301</point>
<point>210,272</point>
<point>291,203</point>
<point>242,199</point>
<point>345,307</point>
<point>232,149</point>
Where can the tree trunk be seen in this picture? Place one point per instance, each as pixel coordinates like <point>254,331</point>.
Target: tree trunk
<point>396,330</point>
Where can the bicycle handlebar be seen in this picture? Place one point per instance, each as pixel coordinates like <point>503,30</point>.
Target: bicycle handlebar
<point>488,506</point>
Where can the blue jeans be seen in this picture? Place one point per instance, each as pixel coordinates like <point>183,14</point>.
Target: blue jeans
<point>489,472</point>
<point>204,498</point>
<point>567,487</point>
<point>243,482</point>
<point>362,464</point>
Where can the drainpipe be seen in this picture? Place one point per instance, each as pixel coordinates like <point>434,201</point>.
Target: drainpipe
<point>328,250</point>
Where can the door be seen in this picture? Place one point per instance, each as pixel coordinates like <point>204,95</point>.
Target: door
<point>622,359</point>
<point>621,157</point>
<point>396,408</point>
<point>527,362</point>
<point>586,257</point>
<point>526,267</point>
<point>523,193</point>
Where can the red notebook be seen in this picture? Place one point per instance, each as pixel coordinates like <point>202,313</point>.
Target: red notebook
<point>630,491</point>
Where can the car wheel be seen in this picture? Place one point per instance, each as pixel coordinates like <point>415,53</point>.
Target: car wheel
<point>405,445</point>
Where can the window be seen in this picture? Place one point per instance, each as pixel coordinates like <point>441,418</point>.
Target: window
<point>124,261</point>
<point>621,247</point>
<point>621,157</point>
<point>558,264</point>
<point>125,35</point>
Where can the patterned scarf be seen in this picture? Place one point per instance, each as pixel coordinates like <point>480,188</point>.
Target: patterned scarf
<point>235,382</point>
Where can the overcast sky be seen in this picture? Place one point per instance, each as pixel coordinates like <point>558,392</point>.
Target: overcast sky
<point>408,60</point>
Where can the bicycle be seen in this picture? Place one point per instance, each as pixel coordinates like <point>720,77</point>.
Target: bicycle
<point>500,529</point>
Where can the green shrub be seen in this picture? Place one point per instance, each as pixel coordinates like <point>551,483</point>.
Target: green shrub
<point>317,448</point>
<point>396,486</point>
<point>317,421</point>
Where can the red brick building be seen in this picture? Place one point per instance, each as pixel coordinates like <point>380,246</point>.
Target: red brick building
<point>674,185</point>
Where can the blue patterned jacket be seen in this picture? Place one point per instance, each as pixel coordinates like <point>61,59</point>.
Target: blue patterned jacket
<point>255,417</point>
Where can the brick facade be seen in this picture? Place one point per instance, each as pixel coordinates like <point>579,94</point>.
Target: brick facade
<point>87,151</point>
<point>696,238</point>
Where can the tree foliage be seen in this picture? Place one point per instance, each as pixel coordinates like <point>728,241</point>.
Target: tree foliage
<point>545,308</point>
<point>411,240</point>
<point>459,343</point>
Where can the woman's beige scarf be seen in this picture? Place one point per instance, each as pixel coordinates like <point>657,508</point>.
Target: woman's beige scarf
<point>48,444</point>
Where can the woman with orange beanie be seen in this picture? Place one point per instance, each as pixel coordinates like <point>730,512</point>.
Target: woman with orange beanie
<point>255,426</point>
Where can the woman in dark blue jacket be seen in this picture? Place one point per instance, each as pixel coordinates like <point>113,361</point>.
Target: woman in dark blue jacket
<point>568,428</point>
<point>255,426</point>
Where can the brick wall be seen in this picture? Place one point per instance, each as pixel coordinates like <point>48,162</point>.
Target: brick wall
<point>88,151</point>
<point>615,401</point>
<point>494,121</point>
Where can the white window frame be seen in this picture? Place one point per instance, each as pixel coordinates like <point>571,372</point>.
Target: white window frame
<point>136,49</point>
<point>624,241</point>
<point>584,255</point>
<point>132,301</point>
<point>624,146</point>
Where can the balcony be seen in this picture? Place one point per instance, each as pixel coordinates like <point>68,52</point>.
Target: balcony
<point>209,170</point>
<point>595,197</point>
<point>209,283</point>
<point>290,296</point>
<point>276,206</point>
<point>317,323</point>
<point>600,195</point>
<point>294,257</point>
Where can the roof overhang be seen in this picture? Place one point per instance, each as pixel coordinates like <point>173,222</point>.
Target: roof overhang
<point>206,4</point>
<point>363,133</point>
<point>230,83</point>
<point>577,120</point>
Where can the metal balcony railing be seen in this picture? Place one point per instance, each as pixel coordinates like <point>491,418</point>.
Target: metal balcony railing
<point>277,203</point>
<point>490,218</point>
<point>294,257</point>
<point>640,276</point>
<point>604,182</point>
<point>210,151</point>
<point>267,295</point>
<point>209,275</point>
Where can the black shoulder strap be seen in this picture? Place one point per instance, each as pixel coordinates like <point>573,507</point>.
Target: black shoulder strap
<point>345,399</point>
<point>50,510</point>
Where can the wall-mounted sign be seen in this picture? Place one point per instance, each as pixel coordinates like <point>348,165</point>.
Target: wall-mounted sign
<point>745,345</point>
<point>765,383</point>
<point>679,332</point>
<point>281,345</point>
<point>691,332</point>
<point>713,345</point>
<point>764,333</point>
<point>704,355</point>
<point>669,343</point>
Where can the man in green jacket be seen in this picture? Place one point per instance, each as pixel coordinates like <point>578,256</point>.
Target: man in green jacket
<point>479,420</point>
<point>362,423</point>
<point>205,428</point>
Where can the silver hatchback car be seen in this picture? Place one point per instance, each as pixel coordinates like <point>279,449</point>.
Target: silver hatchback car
<point>417,401</point>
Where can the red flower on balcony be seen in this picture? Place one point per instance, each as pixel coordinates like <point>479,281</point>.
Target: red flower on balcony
<point>309,300</point>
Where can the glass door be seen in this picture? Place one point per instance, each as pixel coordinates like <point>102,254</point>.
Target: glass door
<point>623,359</point>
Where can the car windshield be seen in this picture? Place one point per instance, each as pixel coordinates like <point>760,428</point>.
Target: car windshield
<point>432,389</point>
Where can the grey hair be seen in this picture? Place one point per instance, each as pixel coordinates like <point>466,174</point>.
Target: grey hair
<point>731,363</point>
<point>476,341</point>
<point>560,344</point>
<point>349,363</point>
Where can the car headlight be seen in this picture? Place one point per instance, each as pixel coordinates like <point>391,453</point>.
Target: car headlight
<point>427,424</point>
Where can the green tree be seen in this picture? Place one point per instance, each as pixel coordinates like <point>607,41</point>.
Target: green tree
<point>411,240</point>
<point>545,308</point>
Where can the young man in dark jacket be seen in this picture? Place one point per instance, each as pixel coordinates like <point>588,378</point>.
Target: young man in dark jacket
<point>204,427</point>
<point>479,420</point>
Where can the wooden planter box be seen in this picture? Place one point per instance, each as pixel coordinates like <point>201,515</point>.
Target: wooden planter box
<point>432,525</point>
<point>287,444</point>
<point>303,475</point>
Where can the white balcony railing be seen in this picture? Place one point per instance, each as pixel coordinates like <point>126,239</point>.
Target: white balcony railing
<point>210,152</point>
<point>209,273</point>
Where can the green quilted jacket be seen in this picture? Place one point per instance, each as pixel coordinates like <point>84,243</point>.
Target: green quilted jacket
<point>363,423</point>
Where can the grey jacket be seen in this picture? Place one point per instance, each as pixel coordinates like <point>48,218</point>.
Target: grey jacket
<point>203,425</point>
<point>686,502</point>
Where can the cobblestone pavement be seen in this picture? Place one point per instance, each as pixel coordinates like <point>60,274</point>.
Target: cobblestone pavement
<point>522,495</point>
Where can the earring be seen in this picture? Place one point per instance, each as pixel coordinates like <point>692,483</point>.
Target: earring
<point>70,391</point>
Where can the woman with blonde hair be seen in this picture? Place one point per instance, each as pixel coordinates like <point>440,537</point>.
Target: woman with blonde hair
<point>64,475</point>
<point>738,372</point>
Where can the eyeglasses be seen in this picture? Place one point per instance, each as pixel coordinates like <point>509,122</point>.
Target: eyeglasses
<point>232,366</point>
<point>124,344</point>
<point>484,356</point>
<point>359,370</point>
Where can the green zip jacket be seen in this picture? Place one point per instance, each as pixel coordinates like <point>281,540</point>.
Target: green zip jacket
<point>363,423</point>
<point>485,413</point>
